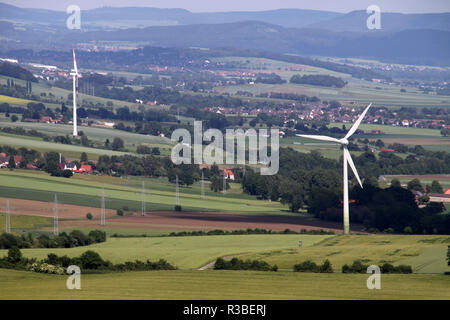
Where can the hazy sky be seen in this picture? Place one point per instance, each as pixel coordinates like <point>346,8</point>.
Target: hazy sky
<point>404,6</point>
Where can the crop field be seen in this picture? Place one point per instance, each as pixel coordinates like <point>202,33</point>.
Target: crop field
<point>23,222</point>
<point>69,151</point>
<point>93,133</point>
<point>160,195</point>
<point>356,90</point>
<point>190,252</point>
<point>12,100</point>
<point>61,95</point>
<point>326,149</point>
<point>444,179</point>
<point>426,254</point>
<point>430,139</point>
<point>212,284</point>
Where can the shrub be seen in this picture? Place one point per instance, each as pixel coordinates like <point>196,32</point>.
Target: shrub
<point>178,208</point>
<point>97,236</point>
<point>356,267</point>
<point>8,240</point>
<point>14,255</point>
<point>306,266</point>
<point>387,268</point>
<point>43,267</point>
<point>408,230</point>
<point>310,266</point>
<point>91,260</point>
<point>238,264</point>
<point>89,216</point>
<point>403,269</point>
<point>120,212</point>
<point>326,267</point>
<point>80,238</point>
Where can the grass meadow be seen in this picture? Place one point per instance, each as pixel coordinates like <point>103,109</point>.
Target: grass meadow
<point>191,252</point>
<point>212,284</point>
<point>426,254</point>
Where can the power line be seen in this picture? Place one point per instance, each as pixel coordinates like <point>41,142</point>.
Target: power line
<point>103,220</point>
<point>143,198</point>
<point>203,185</point>
<point>177,192</point>
<point>55,217</point>
<point>8,218</point>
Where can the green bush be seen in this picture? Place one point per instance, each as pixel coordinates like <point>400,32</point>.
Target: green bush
<point>120,212</point>
<point>89,216</point>
<point>356,267</point>
<point>326,267</point>
<point>306,266</point>
<point>238,264</point>
<point>178,208</point>
<point>14,255</point>
<point>310,266</point>
<point>97,236</point>
<point>407,230</point>
<point>91,260</point>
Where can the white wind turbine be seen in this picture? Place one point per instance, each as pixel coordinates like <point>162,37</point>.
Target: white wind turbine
<point>74,73</point>
<point>347,159</point>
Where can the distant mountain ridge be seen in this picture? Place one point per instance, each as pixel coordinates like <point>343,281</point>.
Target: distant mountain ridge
<point>427,47</point>
<point>355,21</point>
<point>128,17</point>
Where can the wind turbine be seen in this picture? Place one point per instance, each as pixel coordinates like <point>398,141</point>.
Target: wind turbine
<point>347,160</point>
<point>74,73</point>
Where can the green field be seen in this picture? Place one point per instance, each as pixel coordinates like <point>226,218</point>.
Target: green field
<point>12,100</point>
<point>426,254</point>
<point>60,95</point>
<point>190,252</point>
<point>68,151</point>
<point>356,90</point>
<point>23,222</point>
<point>211,284</point>
<point>160,195</point>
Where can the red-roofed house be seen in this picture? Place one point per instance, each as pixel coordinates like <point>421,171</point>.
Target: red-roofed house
<point>229,174</point>
<point>85,168</point>
<point>18,159</point>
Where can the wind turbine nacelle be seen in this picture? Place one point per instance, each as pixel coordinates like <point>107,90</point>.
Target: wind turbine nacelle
<point>344,141</point>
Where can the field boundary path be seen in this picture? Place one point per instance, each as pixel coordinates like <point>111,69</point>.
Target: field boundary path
<point>209,265</point>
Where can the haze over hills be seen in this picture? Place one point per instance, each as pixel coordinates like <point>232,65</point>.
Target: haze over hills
<point>404,38</point>
<point>124,17</point>
<point>429,47</point>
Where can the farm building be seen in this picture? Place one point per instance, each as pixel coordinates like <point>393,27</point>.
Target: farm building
<point>439,197</point>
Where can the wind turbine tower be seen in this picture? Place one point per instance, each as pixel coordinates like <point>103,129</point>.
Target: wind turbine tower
<point>74,73</point>
<point>347,159</point>
<point>103,218</point>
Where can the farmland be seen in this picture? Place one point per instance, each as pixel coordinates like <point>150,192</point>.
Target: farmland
<point>424,253</point>
<point>356,90</point>
<point>210,284</point>
<point>123,192</point>
<point>190,252</point>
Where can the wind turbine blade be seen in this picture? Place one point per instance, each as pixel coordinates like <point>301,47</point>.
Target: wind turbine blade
<point>321,138</point>
<point>75,62</point>
<point>357,123</point>
<point>348,158</point>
